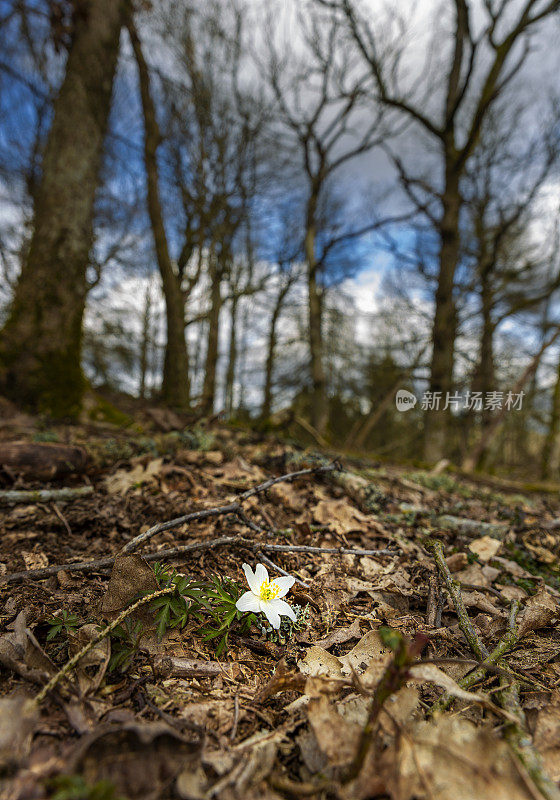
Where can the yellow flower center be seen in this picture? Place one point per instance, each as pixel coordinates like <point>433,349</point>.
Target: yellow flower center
<point>269,590</point>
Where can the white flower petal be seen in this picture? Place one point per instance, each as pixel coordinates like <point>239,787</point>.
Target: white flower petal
<point>282,608</point>
<point>261,574</point>
<point>254,584</point>
<point>284,585</point>
<point>267,608</point>
<point>248,602</point>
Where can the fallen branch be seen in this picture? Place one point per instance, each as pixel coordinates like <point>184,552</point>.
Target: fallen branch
<point>477,645</point>
<point>230,508</point>
<point>521,743</point>
<point>506,643</point>
<point>13,496</point>
<point>515,731</point>
<point>100,564</point>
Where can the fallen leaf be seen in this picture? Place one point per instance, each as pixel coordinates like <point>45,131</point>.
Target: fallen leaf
<point>19,717</point>
<point>547,736</point>
<point>421,673</point>
<point>540,610</point>
<point>449,759</point>
<point>336,737</point>
<point>341,635</point>
<point>340,515</point>
<point>36,560</point>
<point>485,548</point>
<point>369,656</point>
<point>140,759</point>
<point>124,479</point>
<point>317,661</point>
<point>131,577</point>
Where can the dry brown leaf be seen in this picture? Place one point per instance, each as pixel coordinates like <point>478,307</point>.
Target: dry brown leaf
<point>88,680</point>
<point>340,515</point>
<point>369,656</point>
<point>35,560</point>
<point>141,759</point>
<point>485,547</point>
<point>449,759</point>
<point>318,661</point>
<point>540,610</point>
<point>341,635</point>
<point>124,479</point>
<point>131,577</point>
<point>18,719</point>
<point>547,736</point>
<point>421,673</point>
<point>336,737</point>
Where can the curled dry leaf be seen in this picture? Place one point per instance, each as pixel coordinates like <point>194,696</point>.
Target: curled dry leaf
<point>131,577</point>
<point>540,610</point>
<point>21,653</point>
<point>92,667</point>
<point>19,717</point>
<point>368,657</point>
<point>421,673</point>
<point>340,515</point>
<point>336,737</point>
<point>547,736</point>
<point>341,635</point>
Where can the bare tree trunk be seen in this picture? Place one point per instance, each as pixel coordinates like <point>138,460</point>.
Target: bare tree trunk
<point>213,339</point>
<point>145,341</point>
<point>489,433</point>
<point>175,388</point>
<point>232,358</point>
<point>485,371</point>
<point>319,409</point>
<point>40,345</point>
<point>445,319</point>
<point>553,428</point>
<point>266,408</point>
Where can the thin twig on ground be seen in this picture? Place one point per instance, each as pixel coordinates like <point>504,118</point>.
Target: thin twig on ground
<point>101,564</point>
<point>13,496</point>
<point>55,680</point>
<point>477,645</point>
<point>228,508</point>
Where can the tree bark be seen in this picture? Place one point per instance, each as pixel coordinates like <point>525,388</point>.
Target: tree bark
<point>175,387</point>
<point>145,341</point>
<point>319,408</point>
<point>232,358</point>
<point>485,374</point>
<point>445,318</point>
<point>213,338</point>
<point>552,432</point>
<point>266,408</point>
<point>40,345</point>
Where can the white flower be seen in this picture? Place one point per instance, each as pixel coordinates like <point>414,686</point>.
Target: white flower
<point>265,595</point>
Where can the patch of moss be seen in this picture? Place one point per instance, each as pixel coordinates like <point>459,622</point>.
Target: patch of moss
<point>529,564</point>
<point>103,411</point>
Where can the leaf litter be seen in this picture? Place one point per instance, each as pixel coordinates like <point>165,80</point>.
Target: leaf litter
<point>284,713</point>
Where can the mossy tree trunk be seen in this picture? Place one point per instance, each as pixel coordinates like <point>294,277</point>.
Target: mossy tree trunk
<point>40,344</point>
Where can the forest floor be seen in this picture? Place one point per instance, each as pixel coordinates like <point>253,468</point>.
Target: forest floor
<point>376,691</point>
